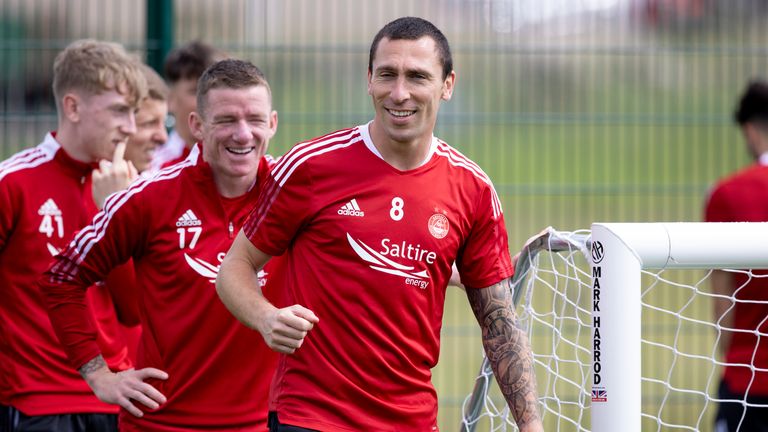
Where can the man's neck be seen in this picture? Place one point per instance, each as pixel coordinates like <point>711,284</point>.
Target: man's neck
<point>401,155</point>
<point>233,187</point>
<point>69,140</point>
<point>187,137</point>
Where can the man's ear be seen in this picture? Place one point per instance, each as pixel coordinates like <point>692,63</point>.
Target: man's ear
<point>196,125</point>
<point>448,85</point>
<point>71,107</point>
<point>369,82</point>
<point>760,137</point>
<point>273,123</point>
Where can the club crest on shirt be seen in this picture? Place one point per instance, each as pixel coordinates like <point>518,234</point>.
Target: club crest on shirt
<point>438,225</point>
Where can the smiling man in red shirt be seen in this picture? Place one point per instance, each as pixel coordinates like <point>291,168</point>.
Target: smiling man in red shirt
<point>369,220</point>
<point>198,368</point>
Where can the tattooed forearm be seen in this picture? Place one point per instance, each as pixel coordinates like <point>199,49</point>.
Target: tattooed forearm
<point>507,349</point>
<point>93,365</point>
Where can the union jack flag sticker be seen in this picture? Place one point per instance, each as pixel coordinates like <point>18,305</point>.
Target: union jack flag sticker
<point>599,394</point>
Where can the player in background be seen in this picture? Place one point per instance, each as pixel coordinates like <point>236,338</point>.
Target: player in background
<point>45,196</point>
<point>150,123</point>
<point>198,367</point>
<point>743,197</point>
<point>183,66</point>
<point>369,220</point>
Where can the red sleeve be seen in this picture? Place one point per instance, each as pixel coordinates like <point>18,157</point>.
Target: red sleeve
<point>718,206</point>
<point>280,212</point>
<point>108,242</point>
<point>7,218</point>
<point>122,286</point>
<point>484,259</point>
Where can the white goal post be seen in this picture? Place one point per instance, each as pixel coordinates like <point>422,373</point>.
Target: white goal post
<point>618,253</point>
<point>588,331</point>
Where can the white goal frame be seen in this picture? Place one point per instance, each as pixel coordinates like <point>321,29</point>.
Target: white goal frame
<point>618,257</point>
<point>619,251</point>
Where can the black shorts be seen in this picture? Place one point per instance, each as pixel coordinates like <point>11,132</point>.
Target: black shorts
<point>729,414</point>
<point>66,423</point>
<point>276,426</point>
<point>8,418</point>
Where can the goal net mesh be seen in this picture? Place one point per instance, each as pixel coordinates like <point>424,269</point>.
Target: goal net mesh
<point>681,343</point>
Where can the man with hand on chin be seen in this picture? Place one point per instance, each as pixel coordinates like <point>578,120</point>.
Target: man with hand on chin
<point>45,196</point>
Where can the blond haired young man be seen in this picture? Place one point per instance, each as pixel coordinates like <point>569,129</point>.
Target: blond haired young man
<point>45,197</point>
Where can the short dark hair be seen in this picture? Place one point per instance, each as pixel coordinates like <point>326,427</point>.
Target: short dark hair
<point>413,28</point>
<point>229,73</point>
<point>753,105</point>
<point>190,61</point>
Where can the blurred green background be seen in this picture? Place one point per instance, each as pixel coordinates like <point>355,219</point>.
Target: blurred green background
<point>579,110</point>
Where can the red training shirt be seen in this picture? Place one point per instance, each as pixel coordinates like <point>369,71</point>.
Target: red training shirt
<point>369,249</point>
<point>177,229</point>
<point>45,196</point>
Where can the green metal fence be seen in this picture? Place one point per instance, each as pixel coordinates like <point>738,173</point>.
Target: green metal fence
<point>580,111</point>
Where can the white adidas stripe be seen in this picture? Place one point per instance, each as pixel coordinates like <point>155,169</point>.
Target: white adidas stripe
<point>48,147</point>
<point>351,206</point>
<point>304,151</point>
<point>49,208</point>
<point>317,153</point>
<point>457,159</point>
<point>95,232</point>
<point>188,216</point>
<point>300,154</point>
<point>30,158</point>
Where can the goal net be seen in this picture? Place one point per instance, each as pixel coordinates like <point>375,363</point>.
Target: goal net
<point>622,326</point>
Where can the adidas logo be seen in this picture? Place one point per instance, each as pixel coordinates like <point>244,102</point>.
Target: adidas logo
<point>351,209</point>
<point>188,219</point>
<point>49,208</point>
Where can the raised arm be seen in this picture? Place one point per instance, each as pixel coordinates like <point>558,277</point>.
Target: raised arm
<point>508,351</point>
<point>238,287</point>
